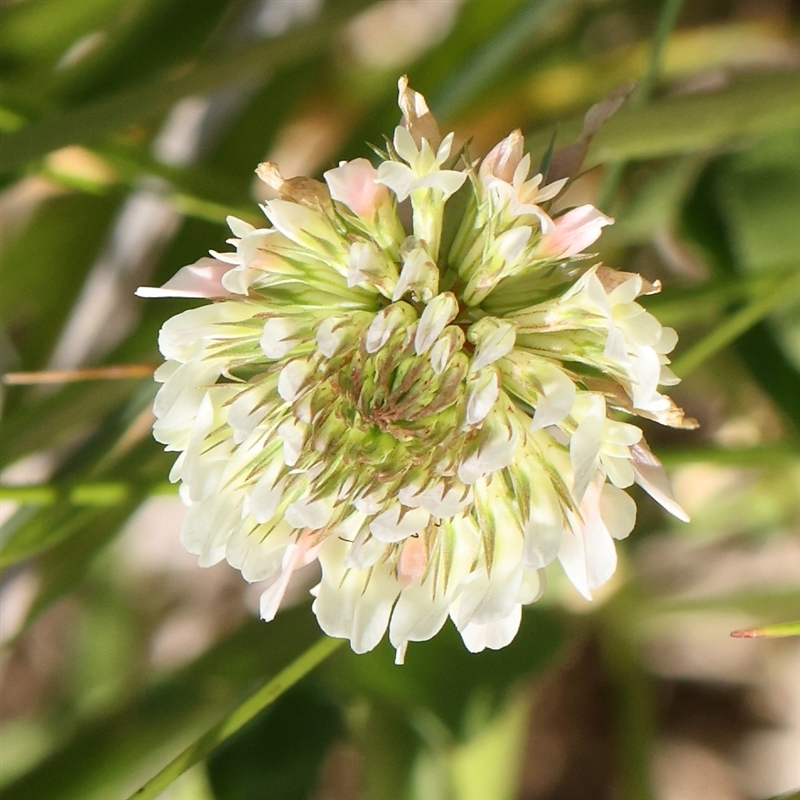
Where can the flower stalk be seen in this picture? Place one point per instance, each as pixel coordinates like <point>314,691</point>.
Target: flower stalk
<point>201,748</point>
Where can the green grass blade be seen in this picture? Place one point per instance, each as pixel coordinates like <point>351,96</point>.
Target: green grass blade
<point>111,754</point>
<point>752,107</point>
<point>779,630</point>
<point>238,718</point>
<point>95,493</point>
<point>641,95</point>
<point>90,123</point>
<point>783,291</point>
<point>493,57</point>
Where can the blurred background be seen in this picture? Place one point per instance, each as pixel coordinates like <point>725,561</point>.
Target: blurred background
<point>130,129</point>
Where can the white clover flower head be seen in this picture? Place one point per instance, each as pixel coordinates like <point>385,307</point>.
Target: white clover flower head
<point>433,426</point>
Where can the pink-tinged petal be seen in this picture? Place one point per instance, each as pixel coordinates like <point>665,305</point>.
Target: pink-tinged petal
<point>575,231</point>
<point>503,158</point>
<point>413,560</point>
<point>295,556</point>
<point>354,184</point>
<point>417,116</point>
<point>651,477</point>
<point>201,279</point>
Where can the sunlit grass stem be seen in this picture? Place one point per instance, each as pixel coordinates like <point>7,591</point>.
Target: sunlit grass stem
<point>237,719</point>
<point>781,292</point>
<point>642,93</point>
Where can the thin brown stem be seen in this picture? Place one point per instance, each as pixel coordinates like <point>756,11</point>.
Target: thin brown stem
<point>114,372</point>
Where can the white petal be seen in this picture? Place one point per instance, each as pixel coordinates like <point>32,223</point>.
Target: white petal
<point>365,550</point>
<point>409,494</point>
<point>494,451</point>
<point>483,390</point>
<point>297,222</point>
<point>445,146</point>
<point>398,177</point>
<point>331,332</point>
<point>307,513</point>
<point>183,390</point>
<point>532,586</point>
<point>621,434</point>
<point>450,341</point>
<point>184,336</point>
<point>364,262</point>
<point>293,434</point>
<point>267,492</point>
<point>639,326</point>
<point>438,314</point>
<point>558,395</point>
<point>258,558</point>
<point>353,183</point>
<point>494,635</point>
<point>279,336</point>
<point>551,190</point>
<point>371,502</point>
<point>293,378</point>
<point>207,527</point>
<point>419,275</point>
<point>667,341</point>
<point>587,553</point>
<point>447,504</point>
<point>404,144</point>
<point>237,280</point>
<point>378,332</point>
<point>544,529</point>
<point>447,181</point>
<point>202,473</point>
<point>238,226</point>
<point>485,596</point>
<point>616,348</point>
<point>619,471</point>
<point>584,448</point>
<point>244,414</point>
<point>667,377</point>
<point>353,604</point>
<point>509,245</point>
<point>372,612</point>
<point>627,291</point>
<point>651,477</point>
<point>201,279</point>
<point>647,372</point>
<point>618,511</point>
<point>392,318</point>
<point>418,616</point>
<point>493,346</point>
<point>398,522</point>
